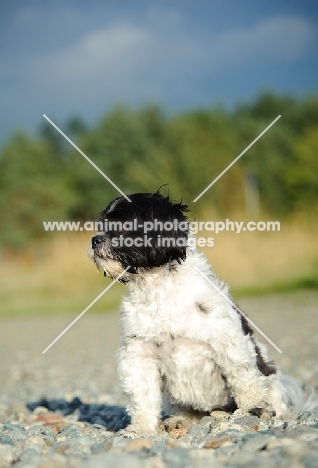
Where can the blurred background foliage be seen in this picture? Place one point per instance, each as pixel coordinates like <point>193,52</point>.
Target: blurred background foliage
<point>44,178</point>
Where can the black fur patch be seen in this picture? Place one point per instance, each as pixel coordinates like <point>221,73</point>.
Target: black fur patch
<point>259,411</point>
<point>231,405</point>
<point>266,368</point>
<point>247,330</point>
<point>256,412</point>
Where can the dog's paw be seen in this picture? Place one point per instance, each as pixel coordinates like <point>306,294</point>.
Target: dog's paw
<point>266,413</point>
<point>136,430</point>
<point>127,433</point>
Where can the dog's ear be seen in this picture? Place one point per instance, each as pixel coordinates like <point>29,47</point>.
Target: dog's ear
<point>109,208</point>
<point>163,191</point>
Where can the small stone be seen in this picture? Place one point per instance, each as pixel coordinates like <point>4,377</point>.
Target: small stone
<point>239,413</point>
<point>138,444</point>
<point>158,447</point>
<point>288,447</point>
<point>70,430</point>
<point>40,410</point>
<point>82,425</point>
<point>48,418</point>
<point>314,445</point>
<point>219,441</point>
<point>34,440</point>
<point>38,429</point>
<point>203,458</point>
<point>6,440</point>
<point>177,433</point>
<point>262,426</point>
<point>4,464</point>
<point>176,422</point>
<point>219,416</point>
<point>12,436</point>
<point>56,427</point>
<point>61,448</point>
<point>242,459</point>
<point>176,426</point>
<point>79,446</point>
<point>257,442</point>
<point>184,424</point>
<point>302,432</point>
<point>177,457</point>
<point>226,426</point>
<point>120,460</point>
<point>310,460</point>
<point>198,431</point>
<point>185,441</point>
<point>248,421</point>
<point>30,455</point>
<point>8,453</point>
<point>54,461</point>
<point>207,421</point>
<point>101,447</point>
<point>13,427</point>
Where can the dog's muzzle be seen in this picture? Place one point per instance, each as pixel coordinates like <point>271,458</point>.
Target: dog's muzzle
<point>97,240</point>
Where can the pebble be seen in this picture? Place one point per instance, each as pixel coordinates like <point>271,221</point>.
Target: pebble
<point>138,444</point>
<point>69,436</point>
<point>8,453</point>
<point>217,440</point>
<point>256,442</point>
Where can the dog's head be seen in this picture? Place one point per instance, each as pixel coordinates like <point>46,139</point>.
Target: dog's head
<point>145,233</point>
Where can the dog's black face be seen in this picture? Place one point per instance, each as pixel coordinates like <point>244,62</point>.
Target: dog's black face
<point>148,232</point>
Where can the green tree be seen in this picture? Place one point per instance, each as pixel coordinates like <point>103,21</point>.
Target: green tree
<point>302,175</point>
<point>117,145</point>
<point>32,190</point>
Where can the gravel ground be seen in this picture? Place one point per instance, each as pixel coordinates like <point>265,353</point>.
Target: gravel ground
<point>81,365</point>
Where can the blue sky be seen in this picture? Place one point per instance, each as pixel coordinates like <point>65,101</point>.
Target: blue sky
<point>72,57</point>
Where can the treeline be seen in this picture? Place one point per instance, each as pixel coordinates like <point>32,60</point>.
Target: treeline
<point>45,178</point>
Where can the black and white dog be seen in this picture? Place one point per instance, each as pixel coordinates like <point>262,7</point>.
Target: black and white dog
<point>181,340</point>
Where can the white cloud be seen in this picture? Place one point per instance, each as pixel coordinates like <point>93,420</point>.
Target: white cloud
<point>280,38</point>
<point>102,53</point>
<point>110,55</point>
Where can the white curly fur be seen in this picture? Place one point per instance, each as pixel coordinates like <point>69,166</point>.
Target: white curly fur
<point>183,347</point>
<point>181,338</point>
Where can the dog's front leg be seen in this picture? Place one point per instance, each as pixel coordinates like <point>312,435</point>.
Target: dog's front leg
<point>235,355</point>
<point>140,380</point>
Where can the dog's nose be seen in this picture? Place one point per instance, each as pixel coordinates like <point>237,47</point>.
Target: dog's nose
<point>96,240</point>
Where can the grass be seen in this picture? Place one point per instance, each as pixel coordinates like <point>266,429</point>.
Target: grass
<point>261,262</point>
<point>56,277</point>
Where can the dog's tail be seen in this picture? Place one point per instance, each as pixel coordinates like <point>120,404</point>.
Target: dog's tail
<point>297,401</point>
